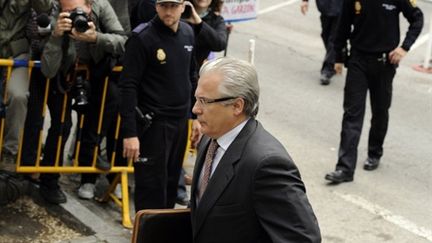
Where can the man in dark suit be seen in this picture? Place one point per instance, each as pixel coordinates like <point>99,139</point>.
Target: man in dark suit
<point>245,188</point>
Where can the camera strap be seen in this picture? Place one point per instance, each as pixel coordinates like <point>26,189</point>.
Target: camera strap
<point>3,6</point>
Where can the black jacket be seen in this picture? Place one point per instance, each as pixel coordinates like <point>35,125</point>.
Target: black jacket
<point>158,73</point>
<point>211,36</point>
<point>376,25</point>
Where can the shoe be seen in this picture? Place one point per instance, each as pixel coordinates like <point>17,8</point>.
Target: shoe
<point>182,201</point>
<point>54,196</point>
<point>86,191</point>
<point>102,164</point>
<point>325,79</point>
<point>339,176</point>
<point>371,163</point>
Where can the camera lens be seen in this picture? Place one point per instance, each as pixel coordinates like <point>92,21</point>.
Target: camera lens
<point>79,20</point>
<point>80,24</point>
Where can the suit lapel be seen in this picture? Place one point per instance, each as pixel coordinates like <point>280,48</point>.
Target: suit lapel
<point>222,175</point>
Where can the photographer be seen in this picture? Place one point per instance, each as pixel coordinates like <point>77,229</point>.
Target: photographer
<point>85,32</point>
<point>210,29</point>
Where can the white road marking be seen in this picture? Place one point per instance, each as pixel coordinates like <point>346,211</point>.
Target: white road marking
<point>387,215</point>
<point>277,6</point>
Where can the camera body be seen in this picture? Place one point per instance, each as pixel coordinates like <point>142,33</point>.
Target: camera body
<point>80,91</point>
<point>79,20</point>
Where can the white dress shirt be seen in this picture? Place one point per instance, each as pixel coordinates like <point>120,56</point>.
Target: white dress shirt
<point>224,142</point>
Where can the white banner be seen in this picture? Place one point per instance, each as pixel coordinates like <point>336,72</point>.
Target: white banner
<point>239,10</point>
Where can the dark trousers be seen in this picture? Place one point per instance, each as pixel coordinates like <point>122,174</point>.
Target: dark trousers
<point>181,190</point>
<point>365,72</point>
<point>162,147</point>
<point>34,123</point>
<point>89,135</point>
<point>328,34</point>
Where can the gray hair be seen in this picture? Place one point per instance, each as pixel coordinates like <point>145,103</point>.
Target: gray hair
<point>240,79</point>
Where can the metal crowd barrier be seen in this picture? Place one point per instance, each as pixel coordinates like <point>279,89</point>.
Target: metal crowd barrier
<point>122,176</point>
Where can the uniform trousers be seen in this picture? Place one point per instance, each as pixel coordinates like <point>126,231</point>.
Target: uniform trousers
<point>365,72</point>
<point>162,148</point>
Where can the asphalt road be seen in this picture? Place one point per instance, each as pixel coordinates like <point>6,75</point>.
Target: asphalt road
<point>391,204</point>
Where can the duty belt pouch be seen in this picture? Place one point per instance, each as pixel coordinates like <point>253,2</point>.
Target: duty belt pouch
<point>19,46</point>
<point>144,119</point>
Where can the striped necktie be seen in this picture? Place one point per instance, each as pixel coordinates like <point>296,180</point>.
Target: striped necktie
<point>207,167</point>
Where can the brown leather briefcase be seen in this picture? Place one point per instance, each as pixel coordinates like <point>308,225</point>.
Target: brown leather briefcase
<point>162,226</point>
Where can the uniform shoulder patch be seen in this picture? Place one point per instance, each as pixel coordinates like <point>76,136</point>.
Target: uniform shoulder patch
<point>140,28</point>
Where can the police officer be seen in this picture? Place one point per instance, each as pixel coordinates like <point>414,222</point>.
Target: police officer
<point>157,84</point>
<point>374,56</point>
<point>330,10</point>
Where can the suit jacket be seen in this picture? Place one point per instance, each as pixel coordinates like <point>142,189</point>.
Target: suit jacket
<point>255,194</point>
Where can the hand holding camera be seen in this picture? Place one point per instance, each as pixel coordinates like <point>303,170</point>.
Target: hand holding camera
<point>190,14</point>
<point>90,35</point>
<point>77,25</point>
<point>64,24</point>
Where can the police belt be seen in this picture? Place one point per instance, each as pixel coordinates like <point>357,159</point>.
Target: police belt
<point>380,56</point>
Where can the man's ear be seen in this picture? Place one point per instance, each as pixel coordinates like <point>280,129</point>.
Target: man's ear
<point>238,106</point>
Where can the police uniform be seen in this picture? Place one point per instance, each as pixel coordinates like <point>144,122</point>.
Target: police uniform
<point>159,78</point>
<point>374,36</point>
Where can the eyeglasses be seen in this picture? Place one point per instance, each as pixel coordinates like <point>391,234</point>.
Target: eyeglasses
<point>205,101</point>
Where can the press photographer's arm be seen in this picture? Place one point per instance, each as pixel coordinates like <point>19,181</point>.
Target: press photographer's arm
<point>57,46</point>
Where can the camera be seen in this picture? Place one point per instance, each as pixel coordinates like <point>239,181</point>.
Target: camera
<point>79,20</point>
<point>80,92</point>
<point>79,87</point>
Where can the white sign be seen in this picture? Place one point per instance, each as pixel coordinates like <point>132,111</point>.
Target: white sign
<point>239,10</point>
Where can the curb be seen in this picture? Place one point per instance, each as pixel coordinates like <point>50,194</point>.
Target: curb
<point>105,232</point>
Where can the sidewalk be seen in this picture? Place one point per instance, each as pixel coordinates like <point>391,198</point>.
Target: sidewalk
<point>31,219</point>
